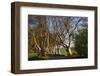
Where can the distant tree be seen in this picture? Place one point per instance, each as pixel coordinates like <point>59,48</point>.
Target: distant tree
<point>81,42</point>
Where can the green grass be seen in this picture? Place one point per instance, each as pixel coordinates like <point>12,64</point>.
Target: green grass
<point>34,56</point>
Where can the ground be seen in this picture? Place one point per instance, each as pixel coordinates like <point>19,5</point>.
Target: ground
<point>62,55</point>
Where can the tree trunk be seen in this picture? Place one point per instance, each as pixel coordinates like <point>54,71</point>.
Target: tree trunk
<point>70,51</point>
<point>67,50</point>
<point>43,52</point>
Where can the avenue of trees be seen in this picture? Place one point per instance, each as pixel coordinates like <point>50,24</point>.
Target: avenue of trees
<point>57,35</point>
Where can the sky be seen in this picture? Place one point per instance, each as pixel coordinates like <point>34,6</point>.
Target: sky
<point>51,21</point>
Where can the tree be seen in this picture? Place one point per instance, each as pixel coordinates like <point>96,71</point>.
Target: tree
<point>81,44</point>
<point>39,37</point>
<point>64,28</point>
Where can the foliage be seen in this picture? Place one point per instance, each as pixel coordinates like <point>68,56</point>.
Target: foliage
<point>81,42</point>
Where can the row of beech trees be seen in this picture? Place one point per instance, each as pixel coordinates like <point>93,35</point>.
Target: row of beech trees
<point>51,33</point>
